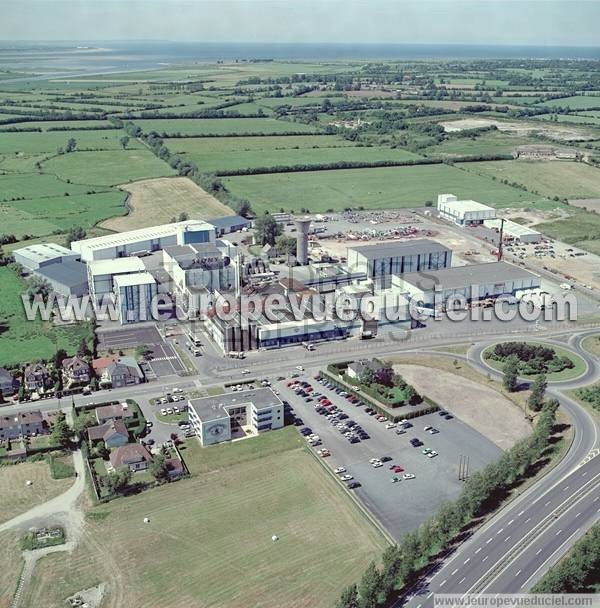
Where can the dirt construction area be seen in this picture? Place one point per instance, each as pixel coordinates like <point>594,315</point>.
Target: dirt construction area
<point>158,201</point>
<point>481,407</point>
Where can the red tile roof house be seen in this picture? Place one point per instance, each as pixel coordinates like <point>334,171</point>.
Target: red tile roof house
<point>133,456</point>
<point>21,424</point>
<point>76,371</point>
<point>114,434</point>
<point>119,411</point>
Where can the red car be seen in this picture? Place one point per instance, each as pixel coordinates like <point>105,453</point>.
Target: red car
<point>397,469</point>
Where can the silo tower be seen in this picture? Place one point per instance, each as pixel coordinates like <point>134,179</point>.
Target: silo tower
<point>302,227</point>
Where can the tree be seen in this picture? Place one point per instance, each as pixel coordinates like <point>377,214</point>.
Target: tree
<point>349,598</point>
<point>75,234</point>
<point>118,481</point>
<point>511,373</point>
<point>1,396</point>
<point>142,351</point>
<point>61,433</point>
<point>266,230</point>
<point>59,357</point>
<point>124,141</point>
<point>158,468</point>
<point>369,587</point>
<point>71,145</point>
<point>183,216</point>
<point>286,245</point>
<point>38,286</point>
<point>538,391</point>
<point>84,349</point>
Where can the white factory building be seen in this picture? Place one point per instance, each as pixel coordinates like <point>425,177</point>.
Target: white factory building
<point>514,231</point>
<point>463,213</point>
<point>34,257</point>
<point>144,241</point>
<point>101,274</point>
<point>235,415</point>
<point>134,294</point>
<point>473,282</point>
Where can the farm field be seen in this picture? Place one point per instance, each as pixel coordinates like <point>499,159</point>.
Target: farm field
<point>487,143</point>
<point>107,168</point>
<point>309,513</point>
<point>239,160</point>
<point>34,185</point>
<point>17,497</point>
<point>158,201</point>
<point>580,229</point>
<point>22,340</point>
<point>562,179</point>
<point>222,126</point>
<point>577,102</point>
<point>43,216</point>
<point>11,563</point>
<point>51,125</point>
<point>378,188</point>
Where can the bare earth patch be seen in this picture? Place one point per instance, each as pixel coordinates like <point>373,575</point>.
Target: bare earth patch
<point>591,204</point>
<point>482,408</point>
<point>157,201</point>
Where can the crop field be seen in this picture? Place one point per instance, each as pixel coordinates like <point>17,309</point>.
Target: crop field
<point>20,339</point>
<point>559,178</point>
<point>222,126</point>
<point>487,143</point>
<point>577,102</point>
<point>107,168</point>
<point>157,201</point>
<point>50,125</point>
<point>188,551</point>
<point>43,216</point>
<point>379,188</point>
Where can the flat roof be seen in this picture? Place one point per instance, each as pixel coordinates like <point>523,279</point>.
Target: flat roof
<point>467,205</point>
<point>142,234</point>
<point>228,221</point>
<point>210,408</point>
<point>44,251</point>
<point>117,266</point>
<point>463,276</point>
<point>70,273</point>
<point>398,248</point>
<point>130,280</point>
<point>511,227</point>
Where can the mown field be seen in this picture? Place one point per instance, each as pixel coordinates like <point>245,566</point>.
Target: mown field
<point>22,340</point>
<point>209,537</point>
<point>489,143</point>
<point>577,102</point>
<point>379,188</point>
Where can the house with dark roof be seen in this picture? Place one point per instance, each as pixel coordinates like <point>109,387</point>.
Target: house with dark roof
<point>124,372</point>
<point>76,370</point>
<point>356,368</point>
<point>36,377</point>
<point>134,456</point>
<point>118,411</point>
<point>114,434</point>
<point>22,424</point>
<point>8,384</point>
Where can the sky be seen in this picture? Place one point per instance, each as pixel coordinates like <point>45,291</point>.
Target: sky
<point>487,22</point>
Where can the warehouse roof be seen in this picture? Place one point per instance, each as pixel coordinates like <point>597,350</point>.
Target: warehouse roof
<point>463,276</point>
<point>43,252</point>
<point>398,248</point>
<point>467,205</point>
<point>138,278</point>
<point>211,408</point>
<point>69,273</point>
<point>511,228</point>
<point>229,221</point>
<point>116,266</point>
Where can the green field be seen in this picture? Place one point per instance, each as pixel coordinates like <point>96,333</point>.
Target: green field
<point>493,142</point>
<point>45,125</point>
<point>107,168</point>
<point>209,537</point>
<point>222,126</point>
<point>22,340</point>
<point>34,185</point>
<point>577,102</point>
<point>581,229</point>
<point>562,179</point>
<point>380,188</point>
<point>42,216</point>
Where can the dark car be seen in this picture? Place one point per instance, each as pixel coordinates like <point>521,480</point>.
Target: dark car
<point>448,416</point>
<point>354,440</point>
<point>442,412</point>
<point>353,485</point>
<point>385,458</point>
<point>415,442</point>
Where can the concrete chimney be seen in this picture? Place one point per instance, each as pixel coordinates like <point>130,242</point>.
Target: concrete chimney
<point>302,227</point>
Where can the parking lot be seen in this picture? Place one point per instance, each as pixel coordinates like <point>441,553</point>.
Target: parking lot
<point>163,359</point>
<point>400,506</point>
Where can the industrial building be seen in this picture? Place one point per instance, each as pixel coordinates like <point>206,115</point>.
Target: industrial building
<point>235,415</point>
<point>228,224</point>
<point>322,276</point>
<point>134,294</point>
<point>382,260</point>
<point>463,213</point>
<point>101,275</point>
<point>34,257</point>
<point>474,282</point>
<point>144,241</point>
<point>513,231</point>
<point>68,278</point>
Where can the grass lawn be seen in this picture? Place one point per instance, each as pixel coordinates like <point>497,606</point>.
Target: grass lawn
<point>222,126</point>
<point>11,564</point>
<point>22,340</point>
<point>493,142</point>
<point>209,537</point>
<point>592,345</point>
<point>577,102</point>
<point>581,228</point>
<point>33,186</point>
<point>17,497</point>
<point>43,216</point>
<point>562,179</point>
<point>567,374</point>
<point>107,168</point>
<point>379,188</point>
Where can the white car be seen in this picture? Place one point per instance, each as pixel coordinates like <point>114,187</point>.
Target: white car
<point>432,454</point>
<point>377,464</point>
<point>346,477</point>
<point>381,418</point>
<point>178,390</point>
<point>408,476</point>
<point>374,460</point>
<point>390,425</point>
<point>433,431</point>
<point>245,371</point>
<point>176,410</point>
<point>163,411</point>
<point>339,470</point>
<point>426,428</point>
<point>170,410</point>
<point>300,368</point>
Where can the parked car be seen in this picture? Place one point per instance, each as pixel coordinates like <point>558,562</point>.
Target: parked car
<point>346,477</point>
<point>353,485</point>
<point>415,442</point>
<point>339,470</point>
<point>408,476</point>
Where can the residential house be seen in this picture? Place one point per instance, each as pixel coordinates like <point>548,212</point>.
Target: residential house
<point>123,372</point>
<point>76,370</point>
<point>118,411</point>
<point>114,433</point>
<point>36,377</point>
<point>8,384</point>
<point>22,424</point>
<point>134,456</point>
<point>356,368</point>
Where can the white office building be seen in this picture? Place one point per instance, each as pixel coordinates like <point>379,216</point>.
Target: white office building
<point>463,213</point>
<point>134,294</point>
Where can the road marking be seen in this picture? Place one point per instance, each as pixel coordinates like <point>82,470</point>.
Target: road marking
<point>478,550</point>
<point>558,532</point>
<point>517,574</point>
<point>511,522</point>
<point>487,542</point>
<point>528,520</point>
<point>454,572</point>
<point>507,539</point>
<point>462,580</point>
<point>538,551</point>
<point>443,583</point>
<point>500,531</point>
<point>419,606</point>
<point>577,515</point>
<point>520,513</point>
<point>430,595</point>
<point>584,473</point>
<point>547,503</point>
<point>484,558</point>
<point>565,488</point>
